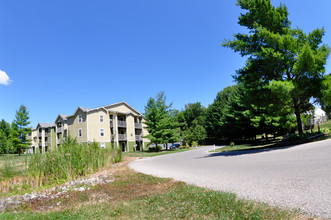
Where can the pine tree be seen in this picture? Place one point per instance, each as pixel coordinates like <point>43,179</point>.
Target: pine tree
<point>276,52</point>
<point>159,121</point>
<point>20,129</point>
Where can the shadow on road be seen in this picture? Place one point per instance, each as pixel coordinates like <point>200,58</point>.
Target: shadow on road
<point>244,152</point>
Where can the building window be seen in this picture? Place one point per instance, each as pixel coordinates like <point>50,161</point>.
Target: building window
<point>101,118</point>
<point>80,133</point>
<point>80,118</point>
<point>102,145</point>
<point>102,132</point>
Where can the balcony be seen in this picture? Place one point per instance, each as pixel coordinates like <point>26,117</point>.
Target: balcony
<point>39,134</point>
<point>59,141</point>
<point>111,124</point>
<point>122,137</point>
<point>138,125</point>
<point>121,124</point>
<point>139,137</point>
<point>59,130</point>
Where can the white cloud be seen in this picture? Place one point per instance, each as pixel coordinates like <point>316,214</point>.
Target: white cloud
<point>4,79</point>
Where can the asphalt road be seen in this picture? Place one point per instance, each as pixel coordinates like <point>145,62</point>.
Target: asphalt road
<point>293,177</point>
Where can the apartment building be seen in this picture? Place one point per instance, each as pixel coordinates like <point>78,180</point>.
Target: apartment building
<point>42,138</point>
<point>115,125</point>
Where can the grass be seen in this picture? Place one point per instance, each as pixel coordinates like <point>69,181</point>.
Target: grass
<point>153,153</point>
<point>272,143</point>
<point>138,196</point>
<point>70,161</point>
<point>12,165</point>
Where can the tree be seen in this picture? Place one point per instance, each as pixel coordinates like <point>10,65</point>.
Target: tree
<point>159,121</point>
<point>276,52</point>
<point>20,129</point>
<point>326,94</point>
<point>214,115</point>
<point>5,141</point>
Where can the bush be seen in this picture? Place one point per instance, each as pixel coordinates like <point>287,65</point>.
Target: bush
<point>231,144</point>
<point>195,143</point>
<point>154,149</point>
<point>325,130</point>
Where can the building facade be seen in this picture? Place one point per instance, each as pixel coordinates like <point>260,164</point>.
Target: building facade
<point>115,125</point>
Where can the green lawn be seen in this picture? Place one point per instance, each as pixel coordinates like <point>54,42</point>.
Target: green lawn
<point>326,125</point>
<point>152,153</point>
<point>138,196</point>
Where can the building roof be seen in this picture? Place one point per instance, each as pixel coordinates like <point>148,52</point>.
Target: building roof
<point>45,125</point>
<point>64,117</point>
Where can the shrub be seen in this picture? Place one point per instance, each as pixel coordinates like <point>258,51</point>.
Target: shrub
<point>231,144</point>
<point>155,149</point>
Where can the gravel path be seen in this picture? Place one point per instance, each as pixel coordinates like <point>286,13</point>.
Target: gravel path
<point>294,177</point>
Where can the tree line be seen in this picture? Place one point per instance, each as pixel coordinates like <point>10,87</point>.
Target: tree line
<point>13,137</point>
<point>282,78</point>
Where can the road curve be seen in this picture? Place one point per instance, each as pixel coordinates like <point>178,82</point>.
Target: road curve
<point>293,177</point>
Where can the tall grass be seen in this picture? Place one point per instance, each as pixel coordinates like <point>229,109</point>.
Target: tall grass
<point>68,162</point>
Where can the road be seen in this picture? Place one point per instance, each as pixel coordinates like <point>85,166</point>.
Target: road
<point>293,177</point>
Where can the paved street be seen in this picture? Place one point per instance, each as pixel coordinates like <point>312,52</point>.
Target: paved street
<point>294,177</point>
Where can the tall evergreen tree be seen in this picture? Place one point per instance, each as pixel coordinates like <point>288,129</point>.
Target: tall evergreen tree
<point>276,52</point>
<point>20,129</point>
<point>159,121</point>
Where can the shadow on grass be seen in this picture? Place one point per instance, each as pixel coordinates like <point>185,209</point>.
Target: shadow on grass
<point>273,147</point>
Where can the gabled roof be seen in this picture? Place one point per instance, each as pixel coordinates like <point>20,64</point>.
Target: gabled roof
<point>129,106</point>
<point>64,117</point>
<point>45,125</point>
<point>105,108</point>
<point>81,108</point>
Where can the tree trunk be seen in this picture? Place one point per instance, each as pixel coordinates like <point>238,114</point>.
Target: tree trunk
<point>298,116</point>
<point>266,136</point>
<point>166,146</point>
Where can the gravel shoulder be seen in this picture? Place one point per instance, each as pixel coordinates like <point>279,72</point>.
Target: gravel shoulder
<point>297,177</point>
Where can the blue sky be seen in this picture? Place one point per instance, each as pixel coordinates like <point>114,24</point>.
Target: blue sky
<point>59,55</point>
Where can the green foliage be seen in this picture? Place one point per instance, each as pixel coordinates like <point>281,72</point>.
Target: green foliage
<point>160,121</point>
<point>71,160</point>
<point>5,137</point>
<point>155,149</point>
<point>20,129</point>
<point>326,94</point>
<point>276,52</point>
<point>231,144</point>
<point>214,115</point>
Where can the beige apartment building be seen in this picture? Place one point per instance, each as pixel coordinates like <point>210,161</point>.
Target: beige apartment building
<point>42,138</point>
<point>115,125</point>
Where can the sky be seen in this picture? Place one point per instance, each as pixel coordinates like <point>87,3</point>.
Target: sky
<point>58,55</point>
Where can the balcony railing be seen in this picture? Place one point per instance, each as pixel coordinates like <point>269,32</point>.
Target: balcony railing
<point>121,123</point>
<point>139,137</point>
<point>39,134</point>
<point>122,137</point>
<point>111,124</point>
<point>59,130</point>
<point>138,125</point>
<point>59,141</point>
